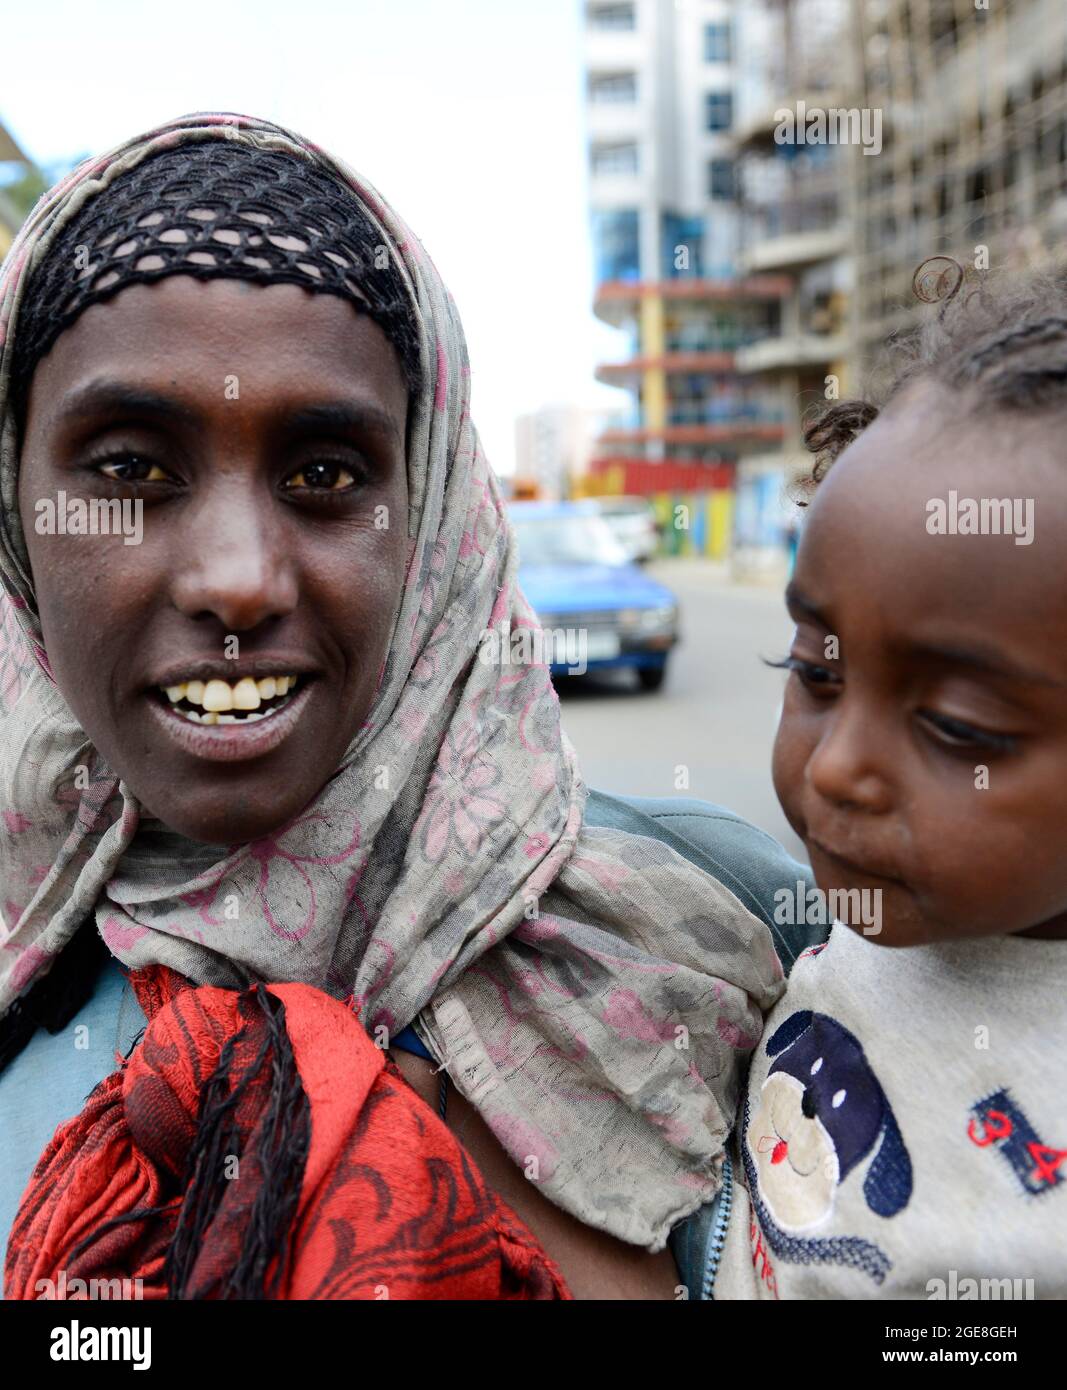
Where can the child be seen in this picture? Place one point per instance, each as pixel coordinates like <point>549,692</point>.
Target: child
<point>905,1129</point>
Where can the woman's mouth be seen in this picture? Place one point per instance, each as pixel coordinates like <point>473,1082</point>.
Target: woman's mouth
<point>222,702</point>
<point>229,721</point>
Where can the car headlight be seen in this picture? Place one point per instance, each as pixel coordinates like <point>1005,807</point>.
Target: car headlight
<point>658,619</point>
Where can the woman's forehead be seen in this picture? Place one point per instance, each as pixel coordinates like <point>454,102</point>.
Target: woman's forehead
<point>218,209</point>
<point>183,333</point>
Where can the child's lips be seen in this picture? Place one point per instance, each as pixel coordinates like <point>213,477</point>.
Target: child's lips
<point>856,868</point>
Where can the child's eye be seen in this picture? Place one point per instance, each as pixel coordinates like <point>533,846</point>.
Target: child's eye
<point>324,475</point>
<point>954,733</point>
<point>131,468</point>
<point>820,680</point>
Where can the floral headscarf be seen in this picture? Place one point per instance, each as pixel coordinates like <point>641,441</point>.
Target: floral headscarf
<point>591,992</point>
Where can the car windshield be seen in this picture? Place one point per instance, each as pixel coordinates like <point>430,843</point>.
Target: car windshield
<point>632,512</point>
<point>568,540</point>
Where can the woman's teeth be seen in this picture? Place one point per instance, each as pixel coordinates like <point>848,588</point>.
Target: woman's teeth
<point>210,702</point>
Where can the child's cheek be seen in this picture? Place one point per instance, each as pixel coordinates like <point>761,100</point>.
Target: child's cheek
<point>793,746</point>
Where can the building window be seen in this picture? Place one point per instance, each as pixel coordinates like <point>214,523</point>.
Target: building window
<point>612,17</point>
<point>613,87</point>
<point>615,159</point>
<point>720,110</point>
<point>716,43</point>
<point>721,187</point>
<point>616,244</point>
<point>682,247</point>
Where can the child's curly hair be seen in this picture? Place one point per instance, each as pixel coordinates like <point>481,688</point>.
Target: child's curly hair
<point>1006,344</point>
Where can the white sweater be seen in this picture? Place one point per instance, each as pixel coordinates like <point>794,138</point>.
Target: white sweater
<point>905,1128</point>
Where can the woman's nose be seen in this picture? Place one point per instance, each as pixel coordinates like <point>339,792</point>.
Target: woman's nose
<point>235,566</point>
<point>848,766</point>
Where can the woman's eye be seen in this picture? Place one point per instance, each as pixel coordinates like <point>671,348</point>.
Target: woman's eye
<point>954,733</point>
<point>324,476</point>
<point>132,468</point>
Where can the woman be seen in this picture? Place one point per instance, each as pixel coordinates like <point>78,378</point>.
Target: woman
<point>249,741</point>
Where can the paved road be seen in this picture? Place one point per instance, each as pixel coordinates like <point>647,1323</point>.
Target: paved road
<point>716,714</point>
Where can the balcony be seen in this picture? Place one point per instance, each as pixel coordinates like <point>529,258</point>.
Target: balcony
<point>612,40</point>
<point>792,217</point>
<point>616,302</point>
<point>629,373</point>
<point>794,250</point>
<point>757,126</point>
<point>724,409</point>
<point>717,334</point>
<point>790,352</point>
<point>736,433</point>
<point>610,123</point>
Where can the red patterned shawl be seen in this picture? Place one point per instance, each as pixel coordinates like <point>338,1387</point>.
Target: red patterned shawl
<point>258,1144</point>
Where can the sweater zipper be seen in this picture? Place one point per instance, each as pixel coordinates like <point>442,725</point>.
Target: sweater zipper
<point>718,1235</point>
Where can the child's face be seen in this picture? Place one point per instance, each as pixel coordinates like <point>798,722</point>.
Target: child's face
<point>927,757</point>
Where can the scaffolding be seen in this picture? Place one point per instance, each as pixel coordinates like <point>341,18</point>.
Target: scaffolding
<point>974,156</point>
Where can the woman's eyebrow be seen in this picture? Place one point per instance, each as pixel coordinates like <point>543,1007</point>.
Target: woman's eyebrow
<point>343,416</point>
<point>97,398</point>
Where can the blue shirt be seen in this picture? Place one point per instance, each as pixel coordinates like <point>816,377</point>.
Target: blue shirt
<point>49,1080</point>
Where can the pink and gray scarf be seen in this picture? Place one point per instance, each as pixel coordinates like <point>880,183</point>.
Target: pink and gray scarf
<point>591,992</point>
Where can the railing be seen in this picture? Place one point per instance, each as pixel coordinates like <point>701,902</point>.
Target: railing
<point>725,413</point>
<point>793,217</point>
<point>721,340</point>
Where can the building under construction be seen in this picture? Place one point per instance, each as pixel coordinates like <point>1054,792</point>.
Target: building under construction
<point>915,128</point>
<point>10,215</point>
<point>973,162</point>
<point>662,88</point>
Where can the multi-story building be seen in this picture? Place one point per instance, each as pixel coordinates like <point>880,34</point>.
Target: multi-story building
<point>551,448</point>
<point>974,158</point>
<point>759,270</point>
<point>661,98</point>
<point>793,199</point>
<point>10,218</point>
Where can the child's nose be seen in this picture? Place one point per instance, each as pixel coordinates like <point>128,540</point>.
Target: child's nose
<point>849,764</point>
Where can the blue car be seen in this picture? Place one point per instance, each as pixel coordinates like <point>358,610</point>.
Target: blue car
<point>597,609</point>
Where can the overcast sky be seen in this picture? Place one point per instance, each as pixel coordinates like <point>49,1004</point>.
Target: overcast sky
<point>466,114</point>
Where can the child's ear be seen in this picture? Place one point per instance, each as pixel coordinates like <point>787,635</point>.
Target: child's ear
<point>887,1186</point>
<point>790,1030</point>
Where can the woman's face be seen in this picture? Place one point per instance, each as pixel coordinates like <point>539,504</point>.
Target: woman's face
<point>260,431</point>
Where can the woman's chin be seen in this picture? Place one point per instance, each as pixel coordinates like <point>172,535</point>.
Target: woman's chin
<point>232,825</point>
